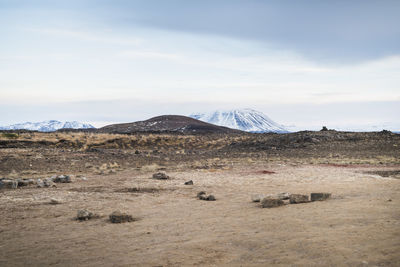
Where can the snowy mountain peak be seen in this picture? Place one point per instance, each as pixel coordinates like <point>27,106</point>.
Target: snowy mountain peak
<point>248,120</point>
<point>47,126</point>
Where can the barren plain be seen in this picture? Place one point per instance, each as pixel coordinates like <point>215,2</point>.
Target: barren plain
<point>358,226</point>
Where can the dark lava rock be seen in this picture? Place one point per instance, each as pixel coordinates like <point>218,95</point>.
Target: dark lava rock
<point>160,176</point>
<point>8,183</point>
<point>25,182</point>
<point>203,196</point>
<point>84,215</point>
<point>271,202</point>
<point>119,217</point>
<point>297,198</point>
<point>189,182</point>
<point>320,196</point>
<point>199,194</point>
<point>62,179</point>
<point>210,198</point>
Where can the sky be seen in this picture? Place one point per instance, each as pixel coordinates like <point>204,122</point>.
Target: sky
<point>303,63</point>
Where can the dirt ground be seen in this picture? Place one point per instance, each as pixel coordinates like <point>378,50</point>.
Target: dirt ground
<point>358,226</point>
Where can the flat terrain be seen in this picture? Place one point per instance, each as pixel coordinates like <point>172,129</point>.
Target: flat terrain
<point>358,226</point>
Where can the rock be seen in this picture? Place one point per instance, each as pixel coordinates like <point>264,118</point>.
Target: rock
<point>119,217</point>
<point>25,182</point>
<point>256,197</point>
<point>297,198</point>
<point>48,183</point>
<point>84,215</point>
<point>320,196</point>
<point>210,198</point>
<point>54,201</point>
<point>8,183</point>
<point>203,196</point>
<point>39,183</point>
<point>259,197</point>
<point>283,196</point>
<point>189,182</point>
<point>62,179</point>
<point>160,176</point>
<point>268,202</point>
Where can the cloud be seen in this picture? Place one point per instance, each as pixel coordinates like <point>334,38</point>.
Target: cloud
<point>325,31</point>
<point>90,36</point>
<point>137,54</point>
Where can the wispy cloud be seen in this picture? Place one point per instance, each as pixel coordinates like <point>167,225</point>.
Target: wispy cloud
<point>138,54</point>
<point>90,36</point>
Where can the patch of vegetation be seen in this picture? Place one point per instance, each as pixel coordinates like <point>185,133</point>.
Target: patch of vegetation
<point>10,135</point>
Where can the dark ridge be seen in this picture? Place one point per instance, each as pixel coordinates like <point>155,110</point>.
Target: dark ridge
<point>167,123</point>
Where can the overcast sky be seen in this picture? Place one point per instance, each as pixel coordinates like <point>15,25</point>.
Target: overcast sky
<point>303,63</point>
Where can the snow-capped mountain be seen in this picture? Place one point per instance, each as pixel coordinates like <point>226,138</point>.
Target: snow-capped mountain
<point>47,126</point>
<point>248,120</point>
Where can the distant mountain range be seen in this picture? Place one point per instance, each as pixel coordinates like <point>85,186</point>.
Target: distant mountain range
<point>248,120</point>
<point>47,126</point>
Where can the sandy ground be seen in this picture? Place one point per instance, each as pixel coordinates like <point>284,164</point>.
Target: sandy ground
<point>359,226</point>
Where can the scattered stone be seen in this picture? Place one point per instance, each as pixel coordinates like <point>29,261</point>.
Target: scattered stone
<point>283,196</point>
<point>25,182</point>
<point>39,183</point>
<point>256,197</point>
<point>189,182</point>
<point>48,183</point>
<point>259,197</point>
<point>54,201</point>
<point>119,217</point>
<point>201,193</point>
<point>8,183</point>
<point>297,198</point>
<point>203,196</point>
<point>160,176</point>
<point>84,215</point>
<point>62,179</point>
<point>83,178</point>
<point>320,196</point>
<point>210,198</point>
<point>268,202</point>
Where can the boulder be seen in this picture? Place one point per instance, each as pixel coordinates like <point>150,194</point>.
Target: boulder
<point>297,198</point>
<point>119,217</point>
<point>84,215</point>
<point>189,182</point>
<point>268,202</point>
<point>160,176</point>
<point>320,196</point>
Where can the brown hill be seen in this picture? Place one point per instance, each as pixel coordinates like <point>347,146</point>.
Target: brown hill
<point>167,123</point>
